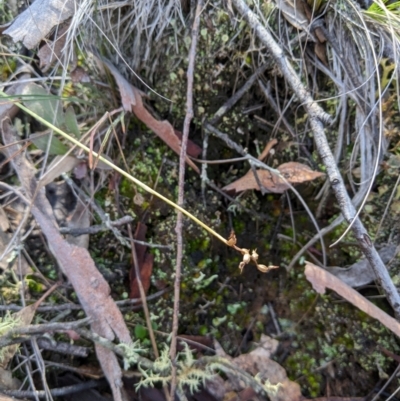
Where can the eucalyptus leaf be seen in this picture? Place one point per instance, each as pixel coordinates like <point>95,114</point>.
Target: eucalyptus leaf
<point>46,106</point>
<point>56,147</point>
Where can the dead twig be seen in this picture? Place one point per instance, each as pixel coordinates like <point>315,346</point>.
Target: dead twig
<point>56,392</point>
<point>126,303</point>
<point>96,228</point>
<point>62,347</point>
<point>238,95</point>
<point>34,329</point>
<point>181,182</point>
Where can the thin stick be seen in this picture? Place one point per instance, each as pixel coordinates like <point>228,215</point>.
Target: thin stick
<point>182,158</point>
<point>239,94</point>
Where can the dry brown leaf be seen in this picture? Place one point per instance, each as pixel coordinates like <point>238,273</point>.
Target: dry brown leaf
<point>320,51</point>
<point>163,129</point>
<point>321,279</point>
<point>76,263</point>
<point>145,261</point>
<point>126,90</point>
<point>37,21</point>
<point>258,363</point>
<point>23,318</point>
<point>294,12</point>
<point>7,107</point>
<point>80,218</point>
<point>59,165</point>
<point>192,149</point>
<point>51,51</point>
<point>361,272</point>
<point>132,101</point>
<point>293,172</point>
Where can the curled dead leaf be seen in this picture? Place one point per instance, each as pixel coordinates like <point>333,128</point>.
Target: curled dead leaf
<point>292,173</point>
<point>131,99</point>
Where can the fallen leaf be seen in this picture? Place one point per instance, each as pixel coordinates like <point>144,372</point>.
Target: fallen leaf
<point>145,261</point>
<point>361,272</point>
<point>7,107</point>
<point>19,267</point>
<point>163,129</point>
<point>192,149</point>
<point>80,218</point>
<point>321,279</point>
<point>320,51</point>
<point>126,90</point>
<point>293,11</point>
<point>37,21</point>
<point>51,50</point>
<point>59,165</point>
<point>259,363</point>
<point>81,170</point>
<point>293,172</point>
<point>131,99</point>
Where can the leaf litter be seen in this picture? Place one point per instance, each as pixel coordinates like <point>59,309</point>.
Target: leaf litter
<point>145,261</point>
<point>131,99</point>
<point>268,372</point>
<point>293,173</point>
<point>76,263</point>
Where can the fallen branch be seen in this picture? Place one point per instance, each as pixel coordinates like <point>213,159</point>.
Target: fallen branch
<point>317,120</point>
<point>96,228</point>
<point>34,329</point>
